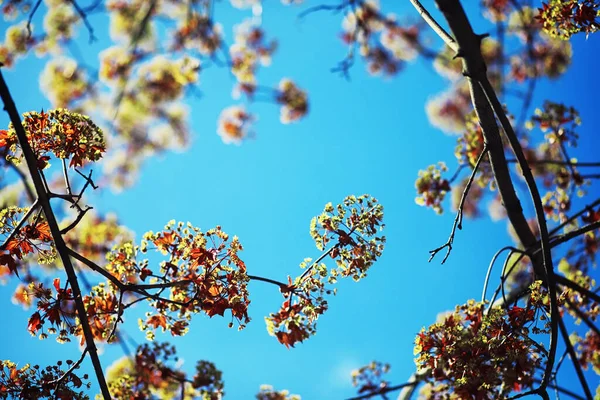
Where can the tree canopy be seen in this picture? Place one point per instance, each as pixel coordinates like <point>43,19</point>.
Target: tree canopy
<point>241,118</point>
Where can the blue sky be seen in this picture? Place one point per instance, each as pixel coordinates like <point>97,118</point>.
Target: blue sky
<point>368,135</point>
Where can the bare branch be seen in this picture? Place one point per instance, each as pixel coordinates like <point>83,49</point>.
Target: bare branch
<point>335,8</point>
<point>30,18</point>
<point>83,16</point>
<point>434,25</point>
<point>459,213</point>
<point>79,217</point>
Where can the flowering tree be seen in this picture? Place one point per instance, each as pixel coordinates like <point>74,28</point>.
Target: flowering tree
<point>131,109</point>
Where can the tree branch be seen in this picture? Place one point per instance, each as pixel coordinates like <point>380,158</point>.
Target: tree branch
<point>574,359</point>
<point>59,242</point>
<point>434,25</point>
<point>459,213</point>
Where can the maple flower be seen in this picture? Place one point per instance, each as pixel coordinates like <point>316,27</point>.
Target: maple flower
<point>447,111</point>
<point>115,64</point>
<point>234,124</point>
<point>63,82</point>
<point>352,226</point>
<point>198,32</point>
<point>564,18</point>
<point>479,354</point>
<point>368,379</point>
<point>268,393</point>
<point>399,41</point>
<point>432,188</point>
<point>60,132</point>
<point>293,100</point>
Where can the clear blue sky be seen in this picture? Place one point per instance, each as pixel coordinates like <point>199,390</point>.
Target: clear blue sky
<point>369,135</point>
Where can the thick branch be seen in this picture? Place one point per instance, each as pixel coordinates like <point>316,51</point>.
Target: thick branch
<point>59,242</point>
<point>486,105</point>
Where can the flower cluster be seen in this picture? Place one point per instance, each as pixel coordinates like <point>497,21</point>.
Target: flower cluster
<point>564,18</point>
<point>149,374</point>
<point>34,382</point>
<point>17,43</point>
<point>496,10</point>
<point>125,17</point>
<point>469,147</point>
<point>63,82</point>
<point>447,110</point>
<point>475,353</point>
<point>293,100</point>
<point>268,393</point>
<point>32,237</point>
<point>212,277</point>
<point>250,49</point>
<point>234,124</point>
<point>432,188</point>
<point>198,33</point>
<point>95,235</point>
<point>116,64</point>
<point>384,44</point>
<point>61,132</point>
<point>560,173</point>
<point>351,227</point>
<point>369,379</point>
<point>548,57</point>
<point>55,306</point>
<point>588,350</point>
<point>162,79</point>
<point>12,8</point>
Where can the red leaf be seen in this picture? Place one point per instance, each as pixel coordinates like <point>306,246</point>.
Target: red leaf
<point>6,259</point>
<point>35,323</point>
<point>57,284</point>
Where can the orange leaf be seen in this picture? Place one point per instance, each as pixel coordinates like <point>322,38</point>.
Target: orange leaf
<point>35,323</point>
<point>157,320</point>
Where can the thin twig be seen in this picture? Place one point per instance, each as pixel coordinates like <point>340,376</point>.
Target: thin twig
<point>261,279</point>
<point>66,176</point>
<point>134,43</point>
<point>80,215</point>
<point>73,367</point>
<point>560,162</point>
<point>384,390</point>
<point>574,359</point>
<point>491,266</point>
<point>434,25</point>
<point>118,318</point>
<point>562,390</point>
<point>30,18</point>
<point>83,16</point>
<point>459,213</point>
<point>323,7</point>
<point>95,267</point>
